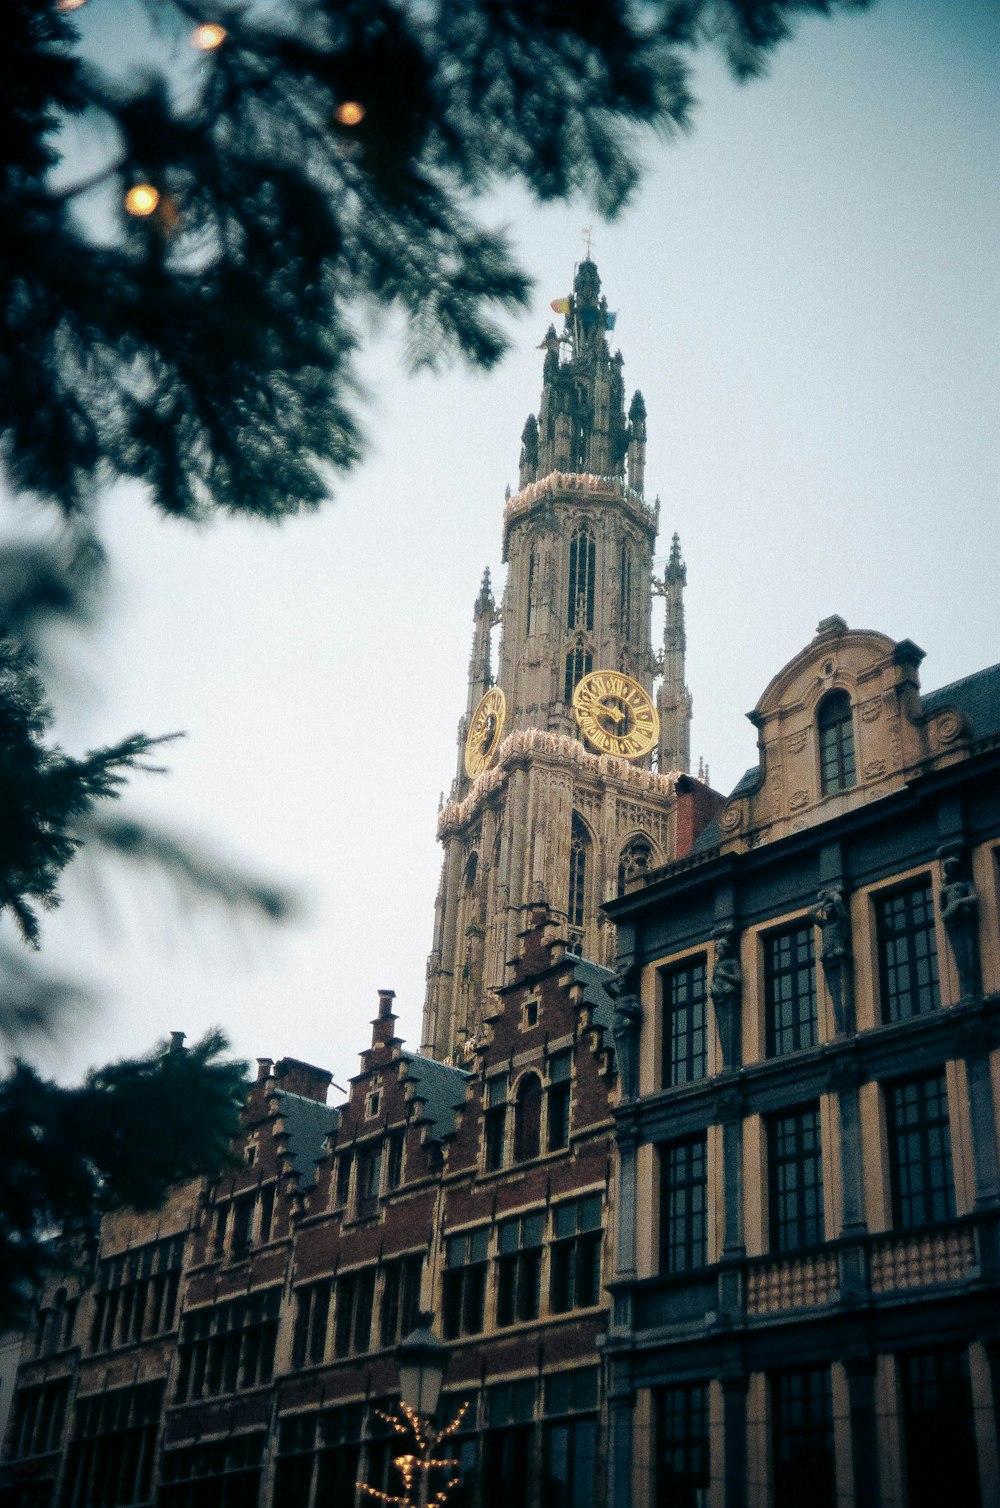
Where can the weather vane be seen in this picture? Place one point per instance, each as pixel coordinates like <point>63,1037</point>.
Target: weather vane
<point>586,233</point>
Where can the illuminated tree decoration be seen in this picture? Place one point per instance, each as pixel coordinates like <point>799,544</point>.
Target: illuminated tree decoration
<point>142,199</point>
<point>208,37</point>
<point>351,113</point>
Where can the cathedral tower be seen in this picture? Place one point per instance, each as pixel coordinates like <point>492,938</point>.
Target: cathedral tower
<point>570,765</point>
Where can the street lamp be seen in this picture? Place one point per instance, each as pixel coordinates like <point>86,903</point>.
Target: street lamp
<point>422,1361</point>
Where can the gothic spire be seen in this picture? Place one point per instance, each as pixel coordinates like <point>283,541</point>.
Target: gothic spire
<point>674,698</point>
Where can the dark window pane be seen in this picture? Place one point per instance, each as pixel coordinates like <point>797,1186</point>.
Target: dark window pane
<point>802,1420</point>
<point>685,1034</point>
<point>907,952</point>
<point>920,1150</point>
<point>836,743</point>
<point>795,1170</point>
<point>683,1205</point>
<point>789,991</point>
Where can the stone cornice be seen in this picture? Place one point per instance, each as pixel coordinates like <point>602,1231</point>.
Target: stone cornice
<point>556,748</point>
<point>598,489</point>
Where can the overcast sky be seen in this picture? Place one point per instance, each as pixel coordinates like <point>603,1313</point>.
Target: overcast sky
<point>807,296</point>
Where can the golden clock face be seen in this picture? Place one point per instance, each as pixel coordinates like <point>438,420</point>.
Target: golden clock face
<point>484,732</point>
<point>615,715</point>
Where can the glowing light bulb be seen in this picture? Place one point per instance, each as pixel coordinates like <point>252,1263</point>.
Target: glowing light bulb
<point>208,37</point>
<point>350,113</point>
<point>69,4</point>
<point>141,199</point>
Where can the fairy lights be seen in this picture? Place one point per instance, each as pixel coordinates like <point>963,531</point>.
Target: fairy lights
<point>351,113</point>
<point>142,199</point>
<point>208,37</point>
<point>411,1464</point>
<point>69,4</point>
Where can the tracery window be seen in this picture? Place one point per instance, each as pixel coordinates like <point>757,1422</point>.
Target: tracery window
<point>582,571</point>
<point>532,585</point>
<point>836,743</point>
<point>625,590</point>
<point>577,900</point>
<point>579,662</point>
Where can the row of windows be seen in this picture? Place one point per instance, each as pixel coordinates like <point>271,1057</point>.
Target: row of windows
<point>111,1452</point>
<point>574,1267</point>
<point>920,1174</point>
<point>368,1171</point>
<point>939,1448</point>
<point>323,1453</point>
<point>242,1222</point>
<point>530,1101</point>
<point>228,1347</point>
<point>908,984</point>
<point>136,1293</point>
<point>390,1291</point>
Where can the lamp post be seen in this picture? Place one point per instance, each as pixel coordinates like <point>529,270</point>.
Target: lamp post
<point>422,1359</point>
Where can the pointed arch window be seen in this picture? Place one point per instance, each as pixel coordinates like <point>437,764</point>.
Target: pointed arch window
<point>625,590</point>
<point>836,743</point>
<point>528,1118</point>
<point>578,855</point>
<point>532,586</point>
<point>582,570</point>
<point>579,662</point>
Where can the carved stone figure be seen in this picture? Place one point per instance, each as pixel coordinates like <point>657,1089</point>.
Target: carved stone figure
<point>726,990</point>
<point>960,915</point>
<point>832,917</point>
<point>628,1019</point>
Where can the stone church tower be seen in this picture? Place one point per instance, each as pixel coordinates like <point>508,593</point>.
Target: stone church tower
<point>568,779</point>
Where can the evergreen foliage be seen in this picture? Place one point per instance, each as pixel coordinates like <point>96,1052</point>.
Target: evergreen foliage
<point>324,159</point>
<point>322,162</point>
<point>128,1133</point>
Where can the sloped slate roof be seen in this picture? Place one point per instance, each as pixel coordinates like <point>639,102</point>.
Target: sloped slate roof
<point>976,696</point>
<point>595,977</point>
<point>309,1124</point>
<point>440,1086</point>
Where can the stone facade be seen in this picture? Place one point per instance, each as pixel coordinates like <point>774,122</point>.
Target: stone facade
<point>805,1308</point>
<point>550,818</point>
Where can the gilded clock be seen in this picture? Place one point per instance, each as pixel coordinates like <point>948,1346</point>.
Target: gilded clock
<point>485,732</point>
<point>615,715</point>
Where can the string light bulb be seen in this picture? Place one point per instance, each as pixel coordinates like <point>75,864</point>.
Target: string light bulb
<point>351,113</point>
<point>141,199</point>
<point>69,4</point>
<point>208,36</point>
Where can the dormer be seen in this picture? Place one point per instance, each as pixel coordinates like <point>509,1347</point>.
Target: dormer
<point>842,724</point>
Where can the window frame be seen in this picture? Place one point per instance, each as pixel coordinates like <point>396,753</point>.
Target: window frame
<point>792,1224</point>
<point>791,1012</point>
<point>939,1191</point>
<point>692,1012</point>
<point>684,1226</point>
<point>898,1003</point>
<point>836,745</point>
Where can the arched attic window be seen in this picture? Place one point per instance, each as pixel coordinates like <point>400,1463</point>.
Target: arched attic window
<point>579,849</point>
<point>528,1118</point>
<point>835,723</point>
<point>582,570</point>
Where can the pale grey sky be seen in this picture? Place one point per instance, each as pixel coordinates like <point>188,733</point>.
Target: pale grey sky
<point>807,296</point>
